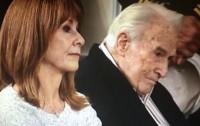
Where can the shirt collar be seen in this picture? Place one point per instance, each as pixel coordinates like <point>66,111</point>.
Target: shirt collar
<point>107,53</point>
<point>144,98</point>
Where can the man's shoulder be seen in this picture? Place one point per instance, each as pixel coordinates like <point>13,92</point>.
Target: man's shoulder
<point>159,90</point>
<point>161,94</point>
<point>89,64</point>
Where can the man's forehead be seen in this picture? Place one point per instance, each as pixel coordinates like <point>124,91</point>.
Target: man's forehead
<point>158,28</point>
<point>160,31</point>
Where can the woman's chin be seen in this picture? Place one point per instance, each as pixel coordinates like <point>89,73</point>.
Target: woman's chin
<point>73,68</point>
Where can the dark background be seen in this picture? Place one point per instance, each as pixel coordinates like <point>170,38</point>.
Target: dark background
<point>3,7</point>
<point>185,7</point>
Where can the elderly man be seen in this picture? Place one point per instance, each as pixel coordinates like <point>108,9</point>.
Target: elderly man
<point>120,75</point>
<point>183,79</point>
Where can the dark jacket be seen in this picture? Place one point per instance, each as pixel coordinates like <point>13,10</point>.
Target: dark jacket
<point>113,97</point>
<point>185,7</point>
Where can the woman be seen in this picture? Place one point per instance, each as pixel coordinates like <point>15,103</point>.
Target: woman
<point>40,49</point>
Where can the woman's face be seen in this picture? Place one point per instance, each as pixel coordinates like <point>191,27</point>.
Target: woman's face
<point>64,48</point>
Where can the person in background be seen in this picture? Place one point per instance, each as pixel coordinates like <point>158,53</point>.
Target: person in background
<point>120,76</point>
<point>183,79</point>
<point>40,49</point>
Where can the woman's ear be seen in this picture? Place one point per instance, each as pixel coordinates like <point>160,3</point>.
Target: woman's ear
<point>122,43</point>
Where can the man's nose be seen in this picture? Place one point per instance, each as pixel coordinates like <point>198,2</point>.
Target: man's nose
<point>162,69</point>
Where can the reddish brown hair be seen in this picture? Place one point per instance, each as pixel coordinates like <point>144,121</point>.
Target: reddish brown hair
<point>26,30</point>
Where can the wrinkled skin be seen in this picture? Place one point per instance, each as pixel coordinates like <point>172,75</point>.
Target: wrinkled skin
<point>146,60</point>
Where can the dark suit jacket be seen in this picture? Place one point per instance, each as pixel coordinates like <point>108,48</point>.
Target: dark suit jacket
<point>194,119</point>
<point>113,97</point>
<point>186,7</point>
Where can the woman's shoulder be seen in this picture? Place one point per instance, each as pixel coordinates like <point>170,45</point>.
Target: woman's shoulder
<point>13,109</point>
<point>7,95</point>
<point>90,116</point>
<point>10,99</point>
<point>84,117</point>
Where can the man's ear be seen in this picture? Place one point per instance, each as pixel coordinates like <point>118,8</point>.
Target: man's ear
<point>122,43</point>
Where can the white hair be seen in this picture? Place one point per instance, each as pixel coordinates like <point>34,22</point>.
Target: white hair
<point>133,19</point>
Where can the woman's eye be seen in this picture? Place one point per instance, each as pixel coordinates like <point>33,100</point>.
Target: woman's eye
<point>66,28</point>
